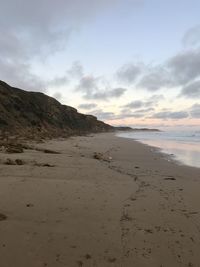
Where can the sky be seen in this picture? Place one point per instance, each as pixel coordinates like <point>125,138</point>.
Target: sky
<point>128,62</point>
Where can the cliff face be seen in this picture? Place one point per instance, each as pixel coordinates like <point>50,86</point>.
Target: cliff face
<point>33,112</point>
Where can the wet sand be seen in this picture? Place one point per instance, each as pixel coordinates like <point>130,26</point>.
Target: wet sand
<point>128,207</point>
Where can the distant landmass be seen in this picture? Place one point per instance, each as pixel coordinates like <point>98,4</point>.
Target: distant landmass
<point>34,113</point>
<point>124,128</point>
<point>146,129</point>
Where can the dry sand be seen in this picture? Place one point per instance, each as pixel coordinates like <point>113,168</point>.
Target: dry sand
<point>135,210</point>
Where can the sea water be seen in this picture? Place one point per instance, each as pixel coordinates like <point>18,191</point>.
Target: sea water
<point>183,145</point>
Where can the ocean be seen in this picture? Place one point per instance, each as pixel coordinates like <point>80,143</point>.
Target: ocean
<point>183,146</point>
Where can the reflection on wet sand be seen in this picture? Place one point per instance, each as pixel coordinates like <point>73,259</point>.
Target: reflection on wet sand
<point>186,153</point>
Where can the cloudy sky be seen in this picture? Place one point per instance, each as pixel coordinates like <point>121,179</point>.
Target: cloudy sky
<point>129,62</point>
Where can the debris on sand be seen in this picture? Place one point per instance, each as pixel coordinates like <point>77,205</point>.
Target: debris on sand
<point>170,178</point>
<point>48,151</point>
<point>101,156</point>
<point>98,156</point>
<point>43,165</point>
<point>9,161</point>
<point>14,149</point>
<point>19,162</point>
<point>125,217</point>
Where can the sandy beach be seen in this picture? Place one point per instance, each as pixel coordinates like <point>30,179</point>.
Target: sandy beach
<point>101,201</point>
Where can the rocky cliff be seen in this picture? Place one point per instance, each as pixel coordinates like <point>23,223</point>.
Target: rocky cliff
<point>33,113</point>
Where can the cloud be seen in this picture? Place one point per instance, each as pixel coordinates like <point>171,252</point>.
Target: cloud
<point>126,113</point>
<point>129,113</point>
<point>58,81</point>
<point>93,88</point>
<point>47,23</point>
<point>135,115</point>
<point>149,102</point>
<point>155,99</point>
<point>87,106</point>
<point>18,74</point>
<point>176,115</point>
<point>139,113</point>
<point>107,94</point>
<point>192,90</point>
<point>192,36</point>
<point>195,111</point>
<point>156,78</point>
<point>102,115</point>
<point>35,30</point>
<point>178,70</point>
<point>135,104</point>
<point>185,66</point>
<point>145,110</point>
<point>76,70</point>
<point>88,84</point>
<point>57,96</point>
<point>129,73</point>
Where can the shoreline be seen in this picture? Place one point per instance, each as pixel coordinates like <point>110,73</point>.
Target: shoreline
<point>170,155</point>
<point>129,207</point>
<point>158,150</point>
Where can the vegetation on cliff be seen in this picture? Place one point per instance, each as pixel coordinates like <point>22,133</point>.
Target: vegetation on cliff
<point>33,113</point>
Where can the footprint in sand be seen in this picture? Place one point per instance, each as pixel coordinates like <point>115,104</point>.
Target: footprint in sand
<point>88,256</point>
<point>133,199</point>
<point>29,205</point>
<point>112,260</point>
<point>3,217</point>
<point>148,231</point>
<point>80,263</point>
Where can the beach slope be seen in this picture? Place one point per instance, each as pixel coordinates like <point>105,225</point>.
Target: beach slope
<point>101,200</point>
